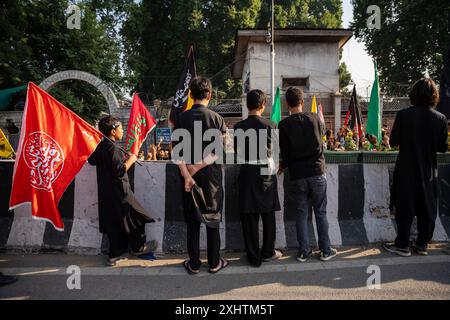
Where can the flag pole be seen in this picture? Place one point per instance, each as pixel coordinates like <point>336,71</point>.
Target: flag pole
<point>120,148</point>
<point>272,55</point>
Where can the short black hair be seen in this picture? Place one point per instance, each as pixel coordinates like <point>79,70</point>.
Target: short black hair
<point>424,93</point>
<point>255,99</point>
<point>294,96</point>
<point>107,124</point>
<point>200,87</point>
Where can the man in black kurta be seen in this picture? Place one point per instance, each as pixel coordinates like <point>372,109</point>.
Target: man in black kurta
<point>420,132</point>
<point>258,193</point>
<point>121,216</point>
<point>208,179</point>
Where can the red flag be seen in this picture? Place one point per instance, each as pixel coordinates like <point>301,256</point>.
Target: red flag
<point>53,147</point>
<point>140,124</point>
<point>322,119</point>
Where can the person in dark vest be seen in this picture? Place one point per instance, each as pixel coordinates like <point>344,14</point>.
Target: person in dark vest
<point>302,152</point>
<point>200,178</point>
<point>420,132</point>
<point>258,192</point>
<point>121,216</point>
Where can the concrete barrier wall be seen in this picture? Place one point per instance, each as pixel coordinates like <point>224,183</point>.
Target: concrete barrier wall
<point>358,210</point>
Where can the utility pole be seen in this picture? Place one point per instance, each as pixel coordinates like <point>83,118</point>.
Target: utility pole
<point>270,40</point>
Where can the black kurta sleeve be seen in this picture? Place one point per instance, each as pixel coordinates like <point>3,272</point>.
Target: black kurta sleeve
<point>284,147</point>
<point>93,158</point>
<point>117,162</point>
<point>235,141</point>
<point>443,138</point>
<point>394,140</point>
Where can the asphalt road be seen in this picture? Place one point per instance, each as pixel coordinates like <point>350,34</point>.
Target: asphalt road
<point>45,276</point>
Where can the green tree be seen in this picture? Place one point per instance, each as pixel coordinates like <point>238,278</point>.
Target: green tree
<point>412,41</point>
<point>36,43</point>
<point>158,33</point>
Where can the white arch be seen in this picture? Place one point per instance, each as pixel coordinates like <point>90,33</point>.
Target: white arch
<point>101,86</point>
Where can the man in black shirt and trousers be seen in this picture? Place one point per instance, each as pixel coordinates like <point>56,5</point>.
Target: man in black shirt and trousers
<point>420,132</point>
<point>258,193</point>
<point>201,174</point>
<point>302,152</point>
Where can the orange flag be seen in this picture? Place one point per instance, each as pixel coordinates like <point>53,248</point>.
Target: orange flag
<point>53,147</point>
<point>140,125</point>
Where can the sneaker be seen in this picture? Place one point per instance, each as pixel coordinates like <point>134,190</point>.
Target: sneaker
<point>329,255</point>
<point>421,250</point>
<point>390,247</point>
<point>302,257</point>
<point>276,255</point>
<point>112,262</point>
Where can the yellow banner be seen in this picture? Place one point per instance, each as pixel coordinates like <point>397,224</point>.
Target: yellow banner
<point>190,102</point>
<point>314,105</point>
<point>6,151</point>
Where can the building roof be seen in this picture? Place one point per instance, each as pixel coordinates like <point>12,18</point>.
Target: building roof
<point>245,36</point>
<point>228,108</point>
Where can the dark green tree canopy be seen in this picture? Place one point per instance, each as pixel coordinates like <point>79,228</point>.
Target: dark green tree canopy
<point>36,43</point>
<point>412,42</point>
<point>159,32</point>
<point>139,45</point>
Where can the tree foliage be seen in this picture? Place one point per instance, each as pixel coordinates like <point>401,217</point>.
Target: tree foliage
<point>412,41</point>
<point>138,45</point>
<point>159,32</point>
<point>36,43</point>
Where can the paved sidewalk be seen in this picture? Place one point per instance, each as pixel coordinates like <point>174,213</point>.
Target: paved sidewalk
<point>44,276</point>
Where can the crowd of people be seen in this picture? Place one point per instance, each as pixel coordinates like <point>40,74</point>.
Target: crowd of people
<point>349,140</point>
<point>419,132</point>
<point>156,152</point>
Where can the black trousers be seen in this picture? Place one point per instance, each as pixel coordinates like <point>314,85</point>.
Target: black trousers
<point>118,243</point>
<point>193,244</point>
<point>405,213</point>
<point>250,228</point>
<point>121,240</point>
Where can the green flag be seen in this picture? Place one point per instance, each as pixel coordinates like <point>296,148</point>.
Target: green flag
<point>275,116</point>
<point>374,112</point>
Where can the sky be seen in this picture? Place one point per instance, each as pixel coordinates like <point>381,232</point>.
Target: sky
<point>358,62</point>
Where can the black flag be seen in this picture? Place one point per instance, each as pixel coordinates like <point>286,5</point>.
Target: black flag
<point>353,118</point>
<point>444,103</point>
<point>182,101</point>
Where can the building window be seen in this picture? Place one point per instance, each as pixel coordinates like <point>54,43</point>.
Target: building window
<point>303,83</point>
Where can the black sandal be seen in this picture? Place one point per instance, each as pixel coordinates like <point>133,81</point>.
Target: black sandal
<point>188,268</point>
<point>222,264</point>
